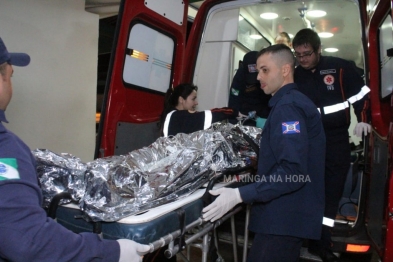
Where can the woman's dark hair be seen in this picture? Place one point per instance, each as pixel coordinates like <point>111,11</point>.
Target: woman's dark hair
<point>172,98</point>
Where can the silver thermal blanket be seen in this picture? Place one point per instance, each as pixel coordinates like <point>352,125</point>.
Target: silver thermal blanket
<point>112,188</point>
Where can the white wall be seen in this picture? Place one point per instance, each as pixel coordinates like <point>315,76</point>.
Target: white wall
<point>54,99</point>
<point>214,64</point>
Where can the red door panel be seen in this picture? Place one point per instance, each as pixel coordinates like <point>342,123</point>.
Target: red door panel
<point>146,60</point>
<point>382,115</point>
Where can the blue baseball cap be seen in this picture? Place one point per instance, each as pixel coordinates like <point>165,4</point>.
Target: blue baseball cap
<point>16,59</point>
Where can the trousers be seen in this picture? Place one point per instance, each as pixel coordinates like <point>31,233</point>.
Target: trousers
<point>275,248</point>
<point>338,161</point>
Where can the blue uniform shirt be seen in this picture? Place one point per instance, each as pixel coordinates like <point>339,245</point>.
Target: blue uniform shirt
<point>26,233</point>
<point>247,97</point>
<point>287,195</point>
<point>334,81</point>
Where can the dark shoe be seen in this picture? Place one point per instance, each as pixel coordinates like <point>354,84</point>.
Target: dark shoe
<point>325,254</point>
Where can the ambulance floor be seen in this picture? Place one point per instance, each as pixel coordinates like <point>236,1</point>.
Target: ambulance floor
<point>225,248</point>
<point>226,252</point>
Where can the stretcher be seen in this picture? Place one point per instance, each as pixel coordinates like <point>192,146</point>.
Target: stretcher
<point>164,225</point>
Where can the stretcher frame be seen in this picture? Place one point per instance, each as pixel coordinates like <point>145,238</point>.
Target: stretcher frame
<point>177,240</point>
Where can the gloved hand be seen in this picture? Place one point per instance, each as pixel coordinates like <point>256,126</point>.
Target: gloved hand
<point>260,122</point>
<point>241,115</point>
<point>227,199</point>
<point>131,250</point>
<point>361,128</point>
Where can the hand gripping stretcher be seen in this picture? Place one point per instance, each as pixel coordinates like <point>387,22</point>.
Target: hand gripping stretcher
<point>178,224</point>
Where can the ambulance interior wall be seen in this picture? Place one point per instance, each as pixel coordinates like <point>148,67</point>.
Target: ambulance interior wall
<point>215,59</point>
<point>54,99</point>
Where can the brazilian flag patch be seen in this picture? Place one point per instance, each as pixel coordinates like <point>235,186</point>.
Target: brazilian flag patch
<point>234,92</point>
<point>8,169</point>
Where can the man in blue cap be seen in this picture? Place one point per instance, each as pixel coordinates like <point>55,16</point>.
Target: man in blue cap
<point>26,233</point>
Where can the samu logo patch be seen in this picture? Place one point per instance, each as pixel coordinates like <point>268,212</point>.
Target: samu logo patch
<point>8,169</point>
<point>328,80</point>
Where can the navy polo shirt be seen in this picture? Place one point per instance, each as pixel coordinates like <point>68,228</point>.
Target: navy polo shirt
<point>333,81</point>
<point>26,233</point>
<point>287,195</point>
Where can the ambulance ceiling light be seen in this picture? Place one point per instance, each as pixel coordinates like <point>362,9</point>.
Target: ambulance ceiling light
<point>325,35</point>
<point>269,16</point>
<point>316,13</point>
<point>256,36</point>
<point>331,50</point>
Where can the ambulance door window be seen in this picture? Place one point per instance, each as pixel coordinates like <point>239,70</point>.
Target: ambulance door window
<point>249,36</point>
<point>148,59</point>
<point>386,43</point>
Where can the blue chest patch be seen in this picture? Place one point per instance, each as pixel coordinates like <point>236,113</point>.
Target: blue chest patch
<point>290,127</point>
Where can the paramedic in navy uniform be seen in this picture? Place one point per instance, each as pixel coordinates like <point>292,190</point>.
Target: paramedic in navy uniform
<point>245,94</point>
<point>26,233</point>
<point>332,84</point>
<point>287,196</point>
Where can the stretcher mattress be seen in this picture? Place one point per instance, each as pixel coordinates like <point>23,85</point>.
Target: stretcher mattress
<point>143,228</point>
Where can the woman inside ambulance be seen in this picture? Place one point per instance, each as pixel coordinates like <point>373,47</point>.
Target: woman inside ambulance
<point>180,115</point>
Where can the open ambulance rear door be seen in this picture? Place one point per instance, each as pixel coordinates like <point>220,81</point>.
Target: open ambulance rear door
<point>380,195</point>
<point>149,55</point>
<point>147,59</point>
<point>216,33</point>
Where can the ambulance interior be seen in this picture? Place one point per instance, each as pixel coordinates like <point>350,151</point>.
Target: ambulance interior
<point>233,29</point>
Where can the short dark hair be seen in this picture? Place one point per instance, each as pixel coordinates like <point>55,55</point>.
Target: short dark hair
<point>281,50</point>
<point>307,36</point>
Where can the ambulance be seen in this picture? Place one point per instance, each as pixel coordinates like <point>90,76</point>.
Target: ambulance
<point>158,45</point>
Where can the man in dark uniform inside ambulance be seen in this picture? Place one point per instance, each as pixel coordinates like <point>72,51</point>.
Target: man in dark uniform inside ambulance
<point>287,195</point>
<point>333,84</point>
<point>245,94</point>
<point>26,233</point>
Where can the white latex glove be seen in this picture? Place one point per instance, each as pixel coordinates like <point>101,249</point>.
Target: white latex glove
<point>361,128</point>
<point>131,250</point>
<point>241,115</point>
<point>227,199</point>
